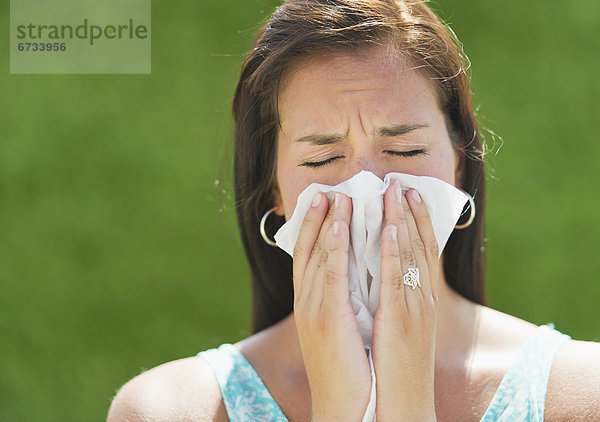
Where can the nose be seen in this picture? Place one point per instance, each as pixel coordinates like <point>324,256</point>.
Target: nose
<point>364,161</point>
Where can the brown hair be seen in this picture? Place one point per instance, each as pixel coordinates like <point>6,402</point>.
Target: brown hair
<point>302,28</point>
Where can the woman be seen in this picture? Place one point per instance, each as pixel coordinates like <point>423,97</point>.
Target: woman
<point>333,87</point>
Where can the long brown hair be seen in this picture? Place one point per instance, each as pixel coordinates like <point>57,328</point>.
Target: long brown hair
<point>302,28</point>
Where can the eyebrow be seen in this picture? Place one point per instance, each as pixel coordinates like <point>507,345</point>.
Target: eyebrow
<point>394,130</point>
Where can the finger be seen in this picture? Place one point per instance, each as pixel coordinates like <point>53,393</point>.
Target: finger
<point>341,209</point>
<point>392,285</point>
<point>395,214</point>
<point>335,279</point>
<point>305,243</point>
<point>418,248</point>
<point>412,254</point>
<point>427,235</point>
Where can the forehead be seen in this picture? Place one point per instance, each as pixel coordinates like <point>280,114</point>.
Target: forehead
<point>316,88</point>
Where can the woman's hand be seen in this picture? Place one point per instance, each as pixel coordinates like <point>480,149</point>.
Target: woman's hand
<point>332,348</point>
<point>405,322</point>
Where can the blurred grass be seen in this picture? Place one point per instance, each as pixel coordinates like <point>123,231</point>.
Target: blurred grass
<point>119,252</point>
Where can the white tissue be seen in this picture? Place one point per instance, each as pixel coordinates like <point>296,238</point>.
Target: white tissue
<point>444,203</point>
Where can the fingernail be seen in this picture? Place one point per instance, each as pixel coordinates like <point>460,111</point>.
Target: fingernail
<point>394,230</point>
<point>336,227</point>
<point>416,196</point>
<point>336,201</point>
<point>317,200</point>
<point>398,192</point>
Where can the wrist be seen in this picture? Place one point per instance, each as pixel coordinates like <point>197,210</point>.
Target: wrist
<point>338,417</point>
<point>412,415</point>
<point>395,411</point>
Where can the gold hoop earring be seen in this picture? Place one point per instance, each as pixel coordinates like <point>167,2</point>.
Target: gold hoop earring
<point>471,217</point>
<point>263,233</point>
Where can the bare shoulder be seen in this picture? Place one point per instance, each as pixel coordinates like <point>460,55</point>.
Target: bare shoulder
<point>181,390</point>
<point>574,385</point>
<point>573,392</point>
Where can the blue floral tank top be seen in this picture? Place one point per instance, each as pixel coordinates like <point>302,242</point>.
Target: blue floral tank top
<point>521,395</point>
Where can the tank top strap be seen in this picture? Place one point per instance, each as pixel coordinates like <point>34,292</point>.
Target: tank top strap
<point>521,395</point>
<point>246,397</point>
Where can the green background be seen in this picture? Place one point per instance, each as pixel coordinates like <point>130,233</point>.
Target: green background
<point>119,250</point>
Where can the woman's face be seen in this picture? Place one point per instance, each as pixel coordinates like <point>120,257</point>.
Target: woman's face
<point>350,112</point>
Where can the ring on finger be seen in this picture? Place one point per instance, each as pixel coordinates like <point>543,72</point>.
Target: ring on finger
<point>411,278</point>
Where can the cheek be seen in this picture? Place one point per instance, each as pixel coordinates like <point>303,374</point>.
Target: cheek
<point>292,181</point>
<point>290,197</point>
<point>439,164</point>
<point>443,167</point>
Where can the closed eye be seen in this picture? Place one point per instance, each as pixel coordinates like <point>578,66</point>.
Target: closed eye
<point>319,163</point>
<point>395,153</point>
<point>407,153</point>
